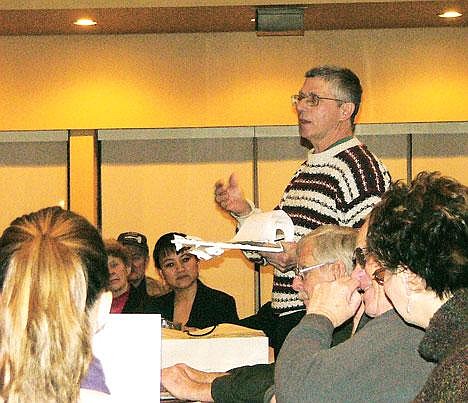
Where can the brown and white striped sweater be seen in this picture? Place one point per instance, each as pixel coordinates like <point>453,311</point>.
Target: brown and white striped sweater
<point>337,186</point>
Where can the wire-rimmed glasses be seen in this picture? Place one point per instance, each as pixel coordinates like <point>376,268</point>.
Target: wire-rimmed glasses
<point>311,99</point>
<point>299,271</point>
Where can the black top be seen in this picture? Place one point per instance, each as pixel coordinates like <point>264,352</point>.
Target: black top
<point>137,299</point>
<point>210,307</point>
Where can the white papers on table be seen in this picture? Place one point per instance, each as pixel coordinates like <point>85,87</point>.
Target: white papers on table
<point>129,348</point>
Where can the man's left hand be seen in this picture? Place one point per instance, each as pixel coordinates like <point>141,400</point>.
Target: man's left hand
<point>283,261</point>
<point>337,300</point>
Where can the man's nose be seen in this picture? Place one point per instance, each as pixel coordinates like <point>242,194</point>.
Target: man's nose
<point>298,284</point>
<point>179,266</point>
<point>300,106</point>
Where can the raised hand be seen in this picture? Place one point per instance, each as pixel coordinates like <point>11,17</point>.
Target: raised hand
<point>337,300</point>
<point>230,197</point>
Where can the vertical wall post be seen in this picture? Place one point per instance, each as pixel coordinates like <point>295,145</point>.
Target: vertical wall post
<point>409,157</point>
<point>83,177</point>
<point>257,267</point>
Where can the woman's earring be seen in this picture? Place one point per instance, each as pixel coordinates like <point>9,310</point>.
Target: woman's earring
<point>408,292</point>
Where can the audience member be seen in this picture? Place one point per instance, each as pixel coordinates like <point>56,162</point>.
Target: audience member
<point>190,303</point>
<point>144,286</point>
<point>322,255</point>
<point>338,183</point>
<point>125,299</point>
<point>379,363</point>
<point>420,235</point>
<point>53,278</point>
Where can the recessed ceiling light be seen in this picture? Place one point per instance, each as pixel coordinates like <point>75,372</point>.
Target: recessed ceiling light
<point>450,14</point>
<point>85,22</point>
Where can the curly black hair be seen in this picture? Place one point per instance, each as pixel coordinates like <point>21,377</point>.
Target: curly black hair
<point>423,227</point>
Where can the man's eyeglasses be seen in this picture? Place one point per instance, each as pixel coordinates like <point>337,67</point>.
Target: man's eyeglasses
<point>360,258</point>
<point>311,99</point>
<point>299,271</point>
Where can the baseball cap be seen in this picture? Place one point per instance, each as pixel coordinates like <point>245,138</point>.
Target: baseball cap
<point>134,239</point>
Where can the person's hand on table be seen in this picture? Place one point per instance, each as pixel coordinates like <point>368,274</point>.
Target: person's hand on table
<point>184,382</point>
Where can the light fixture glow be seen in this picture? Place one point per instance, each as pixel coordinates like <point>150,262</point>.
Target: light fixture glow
<point>85,22</point>
<point>450,14</point>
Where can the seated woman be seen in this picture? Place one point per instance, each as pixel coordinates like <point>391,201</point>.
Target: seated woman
<point>53,278</point>
<point>190,303</point>
<point>125,299</point>
<point>420,234</point>
<point>323,255</point>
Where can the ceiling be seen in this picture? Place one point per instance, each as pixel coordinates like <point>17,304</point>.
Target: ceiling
<point>227,18</point>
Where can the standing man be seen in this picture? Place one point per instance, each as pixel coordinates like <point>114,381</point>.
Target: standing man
<point>137,246</point>
<point>338,183</point>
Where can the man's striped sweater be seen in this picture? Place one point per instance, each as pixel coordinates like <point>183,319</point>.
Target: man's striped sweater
<point>337,186</point>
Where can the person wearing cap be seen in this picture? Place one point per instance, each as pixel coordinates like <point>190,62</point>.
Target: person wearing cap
<point>124,299</point>
<point>190,303</point>
<point>143,286</point>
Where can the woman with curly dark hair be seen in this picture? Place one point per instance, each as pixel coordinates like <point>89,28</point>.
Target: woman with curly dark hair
<point>419,233</point>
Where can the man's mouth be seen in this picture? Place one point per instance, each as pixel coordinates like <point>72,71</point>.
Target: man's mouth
<point>303,121</point>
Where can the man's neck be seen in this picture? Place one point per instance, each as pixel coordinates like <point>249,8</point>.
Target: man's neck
<point>120,292</point>
<point>136,283</point>
<point>338,135</point>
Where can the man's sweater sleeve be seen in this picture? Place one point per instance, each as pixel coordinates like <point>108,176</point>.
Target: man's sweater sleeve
<point>299,356</point>
<point>243,384</point>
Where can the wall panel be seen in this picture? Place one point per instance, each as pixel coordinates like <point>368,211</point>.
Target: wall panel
<point>158,186</point>
<point>447,153</point>
<point>33,175</point>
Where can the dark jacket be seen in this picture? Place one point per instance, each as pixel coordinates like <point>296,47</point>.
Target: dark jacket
<point>446,343</point>
<point>137,299</point>
<point>210,307</point>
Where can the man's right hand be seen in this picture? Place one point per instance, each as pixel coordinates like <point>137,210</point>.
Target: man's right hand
<point>230,197</point>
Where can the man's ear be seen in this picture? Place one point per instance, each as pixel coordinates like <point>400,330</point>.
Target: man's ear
<point>347,110</point>
<point>129,269</point>
<point>338,269</point>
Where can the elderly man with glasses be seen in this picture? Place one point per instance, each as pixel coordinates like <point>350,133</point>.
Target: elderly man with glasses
<point>338,183</point>
<point>380,363</point>
<point>324,254</point>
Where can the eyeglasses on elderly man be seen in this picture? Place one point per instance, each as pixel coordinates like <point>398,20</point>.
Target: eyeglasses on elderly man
<point>299,271</point>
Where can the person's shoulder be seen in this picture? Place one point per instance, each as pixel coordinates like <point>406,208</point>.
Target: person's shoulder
<point>218,293</point>
<point>156,303</point>
<point>155,288</point>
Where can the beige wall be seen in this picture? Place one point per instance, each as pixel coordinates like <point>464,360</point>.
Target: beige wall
<point>224,79</point>
<point>32,176</point>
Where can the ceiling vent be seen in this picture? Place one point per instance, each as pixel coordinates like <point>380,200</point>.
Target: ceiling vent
<point>285,20</point>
